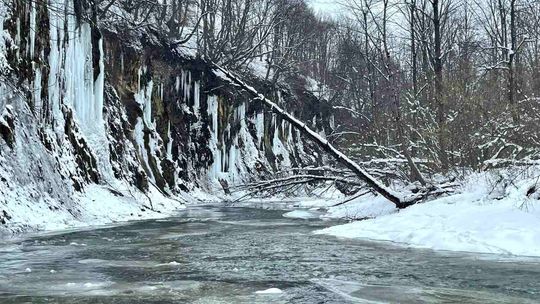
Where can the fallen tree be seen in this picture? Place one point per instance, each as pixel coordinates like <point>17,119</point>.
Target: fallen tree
<point>399,199</point>
<point>289,183</point>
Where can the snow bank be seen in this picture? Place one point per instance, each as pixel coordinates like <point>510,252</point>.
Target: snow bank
<point>98,205</point>
<point>363,207</point>
<point>472,221</point>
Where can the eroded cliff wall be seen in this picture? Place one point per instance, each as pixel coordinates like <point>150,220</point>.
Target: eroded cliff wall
<point>84,104</point>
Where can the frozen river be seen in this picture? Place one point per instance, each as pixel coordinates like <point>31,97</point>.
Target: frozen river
<point>226,255</point>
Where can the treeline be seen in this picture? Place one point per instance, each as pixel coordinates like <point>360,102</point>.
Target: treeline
<point>452,82</point>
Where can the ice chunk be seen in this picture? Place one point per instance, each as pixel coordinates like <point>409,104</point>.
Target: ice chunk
<point>301,214</point>
<point>269,291</point>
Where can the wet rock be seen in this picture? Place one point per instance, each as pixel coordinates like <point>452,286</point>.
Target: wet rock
<point>7,126</point>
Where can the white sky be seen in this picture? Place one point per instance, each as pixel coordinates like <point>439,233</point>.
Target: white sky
<point>325,6</point>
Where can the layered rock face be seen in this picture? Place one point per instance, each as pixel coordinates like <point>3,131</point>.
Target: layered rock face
<point>82,104</point>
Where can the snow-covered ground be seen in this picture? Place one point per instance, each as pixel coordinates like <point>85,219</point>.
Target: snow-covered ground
<point>484,217</point>
<point>98,205</point>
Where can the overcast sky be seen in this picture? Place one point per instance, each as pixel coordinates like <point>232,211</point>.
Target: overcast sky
<point>325,6</point>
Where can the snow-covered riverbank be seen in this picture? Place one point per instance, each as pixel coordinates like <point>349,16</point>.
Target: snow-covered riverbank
<point>97,205</point>
<point>482,218</point>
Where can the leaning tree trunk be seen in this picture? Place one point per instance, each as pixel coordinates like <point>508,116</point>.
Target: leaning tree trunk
<point>399,200</point>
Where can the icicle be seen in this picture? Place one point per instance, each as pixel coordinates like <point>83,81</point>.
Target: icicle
<point>277,145</point>
<point>182,79</point>
<point>3,61</point>
<point>186,85</point>
<point>196,97</point>
<point>98,87</point>
<point>259,125</point>
<point>33,29</point>
<point>177,84</point>
<point>81,91</point>
<point>289,133</point>
<point>18,38</point>
<point>122,62</point>
<point>56,25</point>
<point>232,159</point>
<point>169,142</point>
<point>38,105</point>
<point>148,103</point>
<point>79,73</point>
<point>138,135</point>
<point>217,165</point>
<point>241,114</point>
<point>144,98</point>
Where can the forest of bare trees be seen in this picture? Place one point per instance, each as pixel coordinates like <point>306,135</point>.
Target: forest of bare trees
<point>453,83</point>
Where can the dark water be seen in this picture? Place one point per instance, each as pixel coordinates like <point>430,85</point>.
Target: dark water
<point>225,255</point>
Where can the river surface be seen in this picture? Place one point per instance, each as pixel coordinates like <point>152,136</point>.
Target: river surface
<point>225,255</point>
